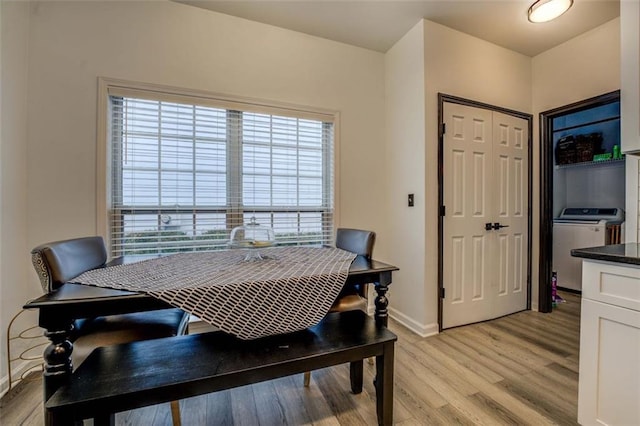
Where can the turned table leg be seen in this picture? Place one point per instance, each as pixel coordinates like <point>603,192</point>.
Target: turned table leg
<point>381,302</point>
<point>57,361</point>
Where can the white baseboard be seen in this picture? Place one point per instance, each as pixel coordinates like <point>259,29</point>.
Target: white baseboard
<point>18,371</point>
<point>4,385</point>
<point>422,330</point>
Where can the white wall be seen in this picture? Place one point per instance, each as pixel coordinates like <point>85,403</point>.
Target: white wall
<point>52,54</point>
<point>72,43</point>
<point>405,134</point>
<point>600,186</point>
<point>461,65</point>
<point>15,288</point>
<point>456,64</point>
<point>630,110</point>
<point>581,68</point>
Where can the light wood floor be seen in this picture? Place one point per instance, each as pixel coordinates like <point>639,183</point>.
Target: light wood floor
<point>520,369</point>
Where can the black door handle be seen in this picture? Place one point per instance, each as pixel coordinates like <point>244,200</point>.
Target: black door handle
<point>488,227</point>
<point>497,226</point>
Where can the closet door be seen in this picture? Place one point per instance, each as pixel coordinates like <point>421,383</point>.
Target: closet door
<point>485,185</point>
<point>511,209</point>
<point>468,250</point>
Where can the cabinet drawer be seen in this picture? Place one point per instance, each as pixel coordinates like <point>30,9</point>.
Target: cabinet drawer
<point>611,283</point>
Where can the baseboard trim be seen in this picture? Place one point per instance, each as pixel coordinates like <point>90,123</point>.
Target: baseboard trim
<point>19,370</point>
<point>4,385</point>
<point>422,330</point>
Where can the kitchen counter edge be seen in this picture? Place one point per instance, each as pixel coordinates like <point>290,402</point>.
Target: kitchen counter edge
<point>628,253</point>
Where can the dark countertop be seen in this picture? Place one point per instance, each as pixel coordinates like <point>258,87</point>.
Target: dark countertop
<point>617,253</point>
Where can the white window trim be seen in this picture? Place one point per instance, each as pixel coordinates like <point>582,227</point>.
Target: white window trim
<point>110,86</point>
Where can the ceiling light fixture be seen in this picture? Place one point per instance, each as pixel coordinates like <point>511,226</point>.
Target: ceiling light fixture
<point>546,10</point>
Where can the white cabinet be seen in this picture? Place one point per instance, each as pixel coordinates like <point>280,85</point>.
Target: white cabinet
<point>630,108</point>
<point>630,75</point>
<point>609,385</point>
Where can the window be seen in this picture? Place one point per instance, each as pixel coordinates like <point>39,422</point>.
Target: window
<point>184,171</point>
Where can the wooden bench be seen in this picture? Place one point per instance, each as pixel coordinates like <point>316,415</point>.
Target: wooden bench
<point>124,377</point>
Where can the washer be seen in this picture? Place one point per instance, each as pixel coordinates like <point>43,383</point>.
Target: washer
<point>579,228</point>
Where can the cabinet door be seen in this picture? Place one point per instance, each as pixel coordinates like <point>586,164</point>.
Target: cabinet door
<point>609,385</point>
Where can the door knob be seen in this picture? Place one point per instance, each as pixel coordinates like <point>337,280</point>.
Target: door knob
<point>488,226</point>
<point>497,226</point>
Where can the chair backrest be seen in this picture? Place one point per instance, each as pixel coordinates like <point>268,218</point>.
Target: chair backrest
<point>60,261</point>
<point>357,241</point>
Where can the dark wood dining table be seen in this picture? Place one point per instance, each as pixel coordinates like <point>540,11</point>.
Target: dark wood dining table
<point>59,309</point>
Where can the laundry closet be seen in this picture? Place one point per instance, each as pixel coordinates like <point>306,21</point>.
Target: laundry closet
<point>588,185</point>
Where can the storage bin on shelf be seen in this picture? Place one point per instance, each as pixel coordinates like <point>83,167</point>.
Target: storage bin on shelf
<point>566,150</point>
<point>587,145</point>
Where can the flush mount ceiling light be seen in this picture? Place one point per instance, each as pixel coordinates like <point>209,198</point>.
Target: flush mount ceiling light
<point>546,10</point>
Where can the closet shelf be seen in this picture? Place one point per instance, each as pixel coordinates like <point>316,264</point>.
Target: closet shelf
<point>591,163</point>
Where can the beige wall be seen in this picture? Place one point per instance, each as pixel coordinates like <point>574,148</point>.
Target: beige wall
<point>15,288</point>
<point>460,65</point>
<point>72,43</point>
<point>630,110</point>
<point>583,67</point>
<point>405,134</point>
<point>64,46</point>
<point>388,106</point>
<point>457,64</point>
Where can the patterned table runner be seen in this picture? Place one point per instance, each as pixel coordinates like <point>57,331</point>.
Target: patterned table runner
<point>291,289</point>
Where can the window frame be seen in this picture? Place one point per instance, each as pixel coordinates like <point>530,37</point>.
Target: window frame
<point>113,87</point>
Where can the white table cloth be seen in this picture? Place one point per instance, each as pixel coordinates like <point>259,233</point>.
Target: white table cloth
<point>291,289</point>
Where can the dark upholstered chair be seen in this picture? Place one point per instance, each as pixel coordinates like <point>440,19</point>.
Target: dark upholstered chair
<point>59,262</point>
<point>361,243</point>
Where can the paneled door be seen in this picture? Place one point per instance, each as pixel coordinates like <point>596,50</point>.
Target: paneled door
<point>485,223</point>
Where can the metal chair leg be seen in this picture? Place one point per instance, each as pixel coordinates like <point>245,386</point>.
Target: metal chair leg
<point>307,379</point>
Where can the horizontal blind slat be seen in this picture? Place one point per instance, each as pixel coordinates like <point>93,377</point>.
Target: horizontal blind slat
<point>184,174</point>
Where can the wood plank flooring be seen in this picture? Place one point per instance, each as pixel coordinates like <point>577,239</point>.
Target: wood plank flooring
<point>519,369</point>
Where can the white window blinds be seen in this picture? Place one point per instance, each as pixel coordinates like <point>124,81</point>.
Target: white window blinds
<point>184,174</point>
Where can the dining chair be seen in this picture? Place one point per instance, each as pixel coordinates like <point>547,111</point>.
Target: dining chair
<point>351,298</point>
<point>59,262</point>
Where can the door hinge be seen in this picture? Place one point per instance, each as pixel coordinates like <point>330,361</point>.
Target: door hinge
<point>444,128</point>
<point>442,293</point>
<point>442,211</point>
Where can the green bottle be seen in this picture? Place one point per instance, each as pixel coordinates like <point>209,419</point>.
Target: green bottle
<point>616,152</point>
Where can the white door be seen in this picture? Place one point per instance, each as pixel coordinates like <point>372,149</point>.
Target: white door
<point>485,183</point>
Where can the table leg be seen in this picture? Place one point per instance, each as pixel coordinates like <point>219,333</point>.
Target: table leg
<point>384,385</point>
<point>57,361</point>
<point>382,313</point>
<point>106,420</point>
<point>356,376</point>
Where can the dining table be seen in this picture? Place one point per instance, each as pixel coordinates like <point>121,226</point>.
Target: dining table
<point>58,310</point>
